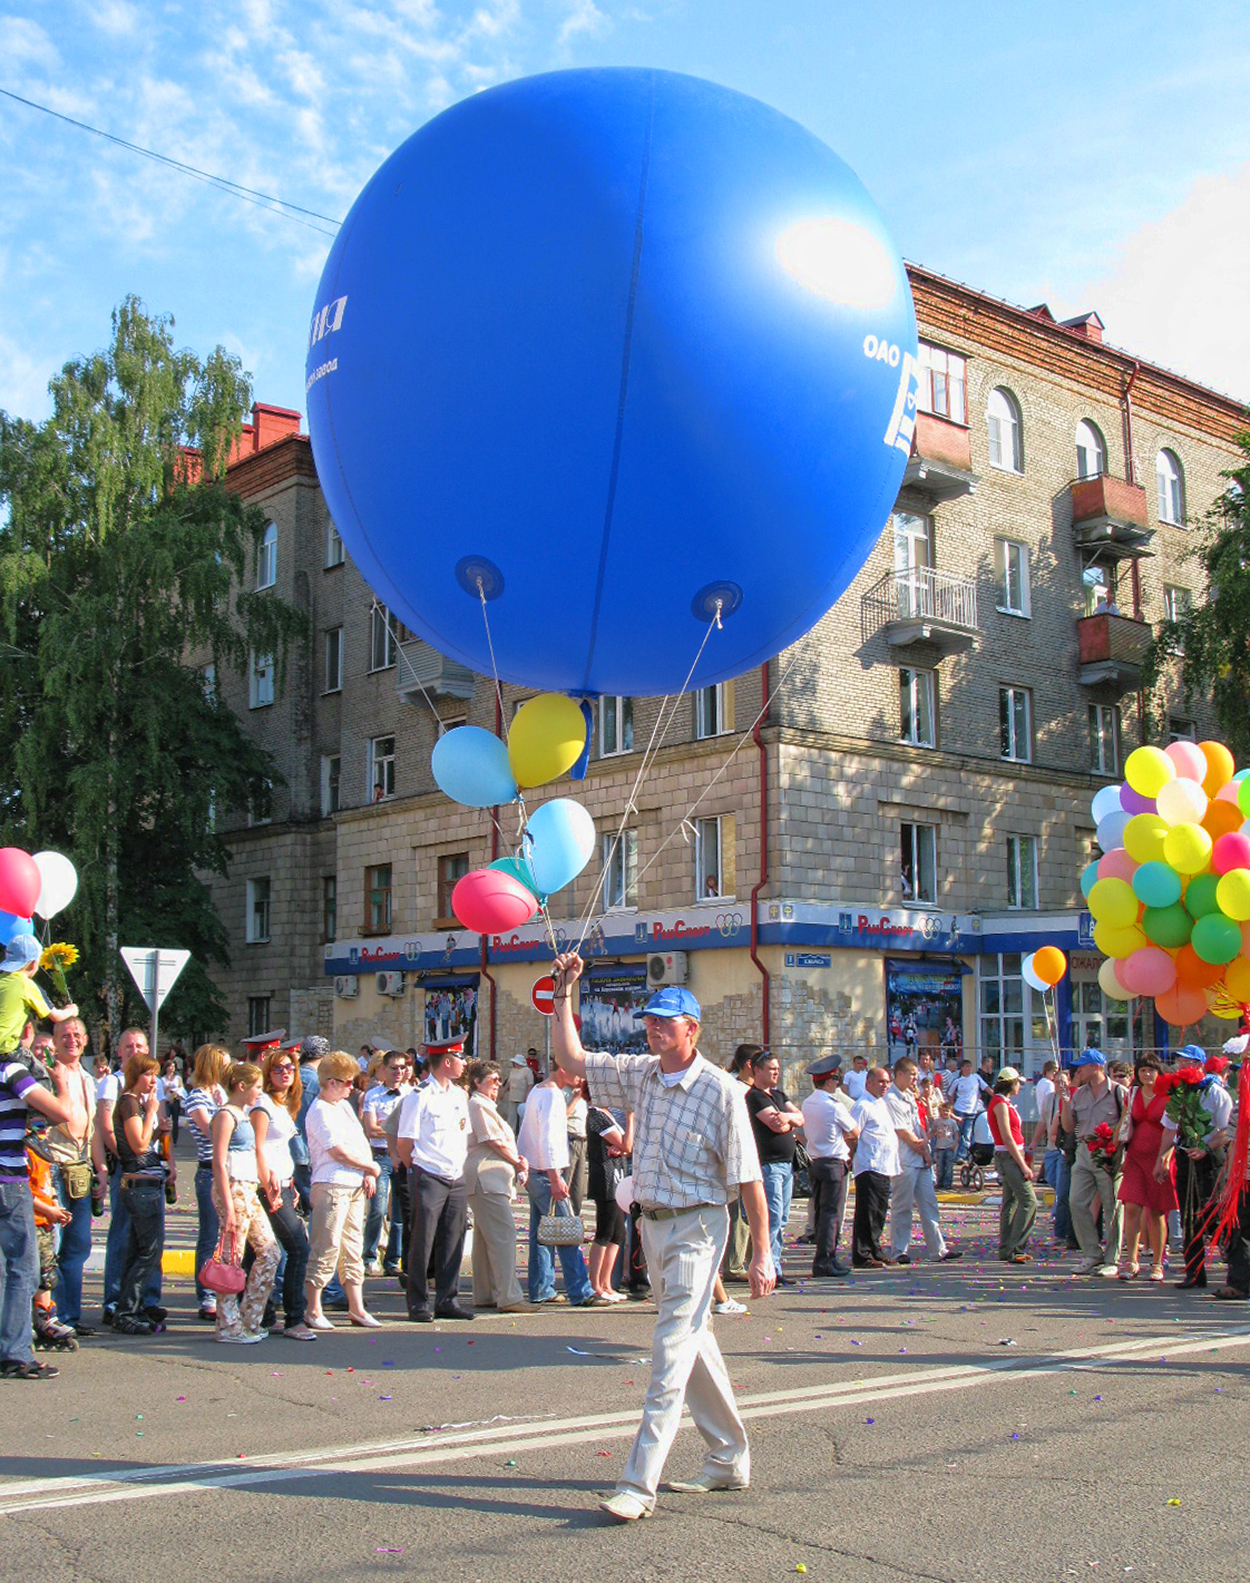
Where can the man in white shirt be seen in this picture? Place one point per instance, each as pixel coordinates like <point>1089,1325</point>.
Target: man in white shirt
<point>876,1165</point>
<point>913,1186</point>
<point>965,1096</point>
<point>544,1142</point>
<point>830,1133</point>
<point>853,1082</point>
<point>433,1143</point>
<point>1045,1085</point>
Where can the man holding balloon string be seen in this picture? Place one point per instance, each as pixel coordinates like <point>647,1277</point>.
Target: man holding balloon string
<point>693,1152</point>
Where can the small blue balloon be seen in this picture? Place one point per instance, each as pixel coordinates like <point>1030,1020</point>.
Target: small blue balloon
<point>1106,801</point>
<point>559,842</point>
<point>1110,832</point>
<point>1089,878</point>
<point>11,924</point>
<point>471,766</point>
<point>1157,884</point>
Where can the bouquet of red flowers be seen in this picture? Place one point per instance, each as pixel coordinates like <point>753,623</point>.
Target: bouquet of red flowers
<point>1103,1145</point>
<point>1184,1091</point>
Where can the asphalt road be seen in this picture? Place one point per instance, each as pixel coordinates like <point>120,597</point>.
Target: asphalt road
<point>935,1423</point>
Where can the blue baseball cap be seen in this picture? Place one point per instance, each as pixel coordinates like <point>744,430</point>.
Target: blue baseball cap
<point>22,950</point>
<point>1191,1052</point>
<point>672,1001</point>
<point>1090,1058</point>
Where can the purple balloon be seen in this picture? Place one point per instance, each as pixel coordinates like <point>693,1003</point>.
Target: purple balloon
<point>1133,801</point>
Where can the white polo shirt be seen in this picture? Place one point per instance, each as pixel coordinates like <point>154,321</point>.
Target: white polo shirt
<point>905,1113</point>
<point>877,1149</point>
<point>824,1123</point>
<point>853,1084</point>
<point>437,1121</point>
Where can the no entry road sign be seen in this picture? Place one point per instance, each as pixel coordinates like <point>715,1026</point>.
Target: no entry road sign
<point>543,995</point>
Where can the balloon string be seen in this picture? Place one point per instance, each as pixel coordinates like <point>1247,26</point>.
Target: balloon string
<point>490,644</point>
<point>412,670</point>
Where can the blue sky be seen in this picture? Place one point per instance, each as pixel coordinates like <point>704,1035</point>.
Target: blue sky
<point>1088,156</point>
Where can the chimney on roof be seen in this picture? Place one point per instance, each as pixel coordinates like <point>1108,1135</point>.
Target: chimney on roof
<point>1041,311</point>
<point>1087,325</point>
<point>268,426</point>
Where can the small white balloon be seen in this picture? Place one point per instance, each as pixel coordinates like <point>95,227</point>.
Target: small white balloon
<point>1111,985</point>
<point>624,1194</point>
<point>60,883</point>
<point>1029,976</point>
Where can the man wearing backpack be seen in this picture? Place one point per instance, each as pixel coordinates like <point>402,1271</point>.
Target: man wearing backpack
<point>1095,1176</point>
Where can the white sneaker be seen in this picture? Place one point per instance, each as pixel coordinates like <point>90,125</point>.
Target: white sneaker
<point>1088,1266</point>
<point>241,1338</point>
<point>729,1306</point>
<point>1108,1271</point>
<point>626,1508</point>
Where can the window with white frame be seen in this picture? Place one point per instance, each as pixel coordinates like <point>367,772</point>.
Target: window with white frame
<point>1171,481</point>
<point>334,660</point>
<point>943,383</point>
<point>1011,567</point>
<point>381,768</point>
<point>913,557</point>
<point>1181,729</point>
<point>616,725</point>
<point>620,870</point>
<point>1005,431</point>
<point>713,710</point>
<point>267,557</point>
<point>714,858</point>
<point>916,691</point>
<point>335,553</point>
<point>382,645</point>
<point>1022,871</point>
<point>1177,602</point>
<point>260,681</point>
<point>1091,450</point>
<point>331,764</point>
<point>1104,739</point>
<point>1002,1008</point>
<point>918,862</point>
<point>1015,720</point>
<point>257,922</point>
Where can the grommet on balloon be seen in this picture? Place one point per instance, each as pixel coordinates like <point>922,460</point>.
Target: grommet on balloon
<point>479,577</point>
<point>716,602</point>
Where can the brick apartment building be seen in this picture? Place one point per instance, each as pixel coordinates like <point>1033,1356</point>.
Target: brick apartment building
<point>876,826</point>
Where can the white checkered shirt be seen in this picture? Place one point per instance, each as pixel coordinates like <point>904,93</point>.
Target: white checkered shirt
<point>693,1142</point>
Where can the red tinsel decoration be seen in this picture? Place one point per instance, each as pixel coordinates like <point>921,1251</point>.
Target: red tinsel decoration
<point>1226,1207</point>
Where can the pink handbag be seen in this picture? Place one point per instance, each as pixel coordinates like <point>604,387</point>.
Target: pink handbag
<point>221,1274</point>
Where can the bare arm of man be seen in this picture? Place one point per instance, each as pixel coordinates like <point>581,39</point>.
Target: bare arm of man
<point>566,1046</point>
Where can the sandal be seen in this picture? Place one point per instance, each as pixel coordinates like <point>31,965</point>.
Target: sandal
<point>1128,1270</point>
<point>1156,1272</point>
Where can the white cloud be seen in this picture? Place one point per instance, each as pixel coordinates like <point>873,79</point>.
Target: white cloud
<point>116,17</point>
<point>584,17</point>
<point>24,44</point>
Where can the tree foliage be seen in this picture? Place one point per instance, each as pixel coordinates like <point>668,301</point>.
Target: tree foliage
<point>1208,647</point>
<point>123,557</point>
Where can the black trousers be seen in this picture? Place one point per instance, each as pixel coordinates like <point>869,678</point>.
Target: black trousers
<point>872,1205</point>
<point>440,1217</point>
<point>1195,1182</point>
<point>1239,1248</point>
<point>292,1238</point>
<point>401,1211</point>
<point>828,1179</point>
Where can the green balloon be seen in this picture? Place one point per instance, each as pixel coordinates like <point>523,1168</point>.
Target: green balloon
<point>1216,939</point>
<point>1200,899</point>
<point>1167,926</point>
<point>519,870</point>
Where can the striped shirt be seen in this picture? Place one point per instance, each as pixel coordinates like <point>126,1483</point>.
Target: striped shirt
<point>201,1099</point>
<point>15,1083</point>
<point>692,1138</point>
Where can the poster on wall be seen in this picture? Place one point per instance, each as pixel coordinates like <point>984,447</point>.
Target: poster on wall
<point>451,1012</point>
<point>924,1008</point>
<point>607,1009</point>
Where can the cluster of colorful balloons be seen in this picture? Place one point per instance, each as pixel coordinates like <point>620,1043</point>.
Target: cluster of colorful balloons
<point>45,884</point>
<point>549,737</point>
<point>1170,896</point>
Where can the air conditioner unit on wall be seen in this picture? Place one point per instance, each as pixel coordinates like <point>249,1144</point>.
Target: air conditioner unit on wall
<point>666,967</point>
<point>347,986</point>
<point>390,983</point>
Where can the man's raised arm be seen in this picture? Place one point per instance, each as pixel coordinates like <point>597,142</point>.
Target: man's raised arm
<point>566,1046</point>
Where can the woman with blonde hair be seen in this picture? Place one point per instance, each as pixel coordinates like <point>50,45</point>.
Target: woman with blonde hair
<point>493,1168</point>
<point>142,1191</point>
<point>236,1175</point>
<point>344,1175</point>
<point>204,1099</point>
<point>273,1119</point>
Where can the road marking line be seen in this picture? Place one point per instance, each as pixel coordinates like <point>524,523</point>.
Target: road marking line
<point>496,1440</point>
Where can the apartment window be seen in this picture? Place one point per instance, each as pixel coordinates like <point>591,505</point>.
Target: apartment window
<point>1171,481</point>
<point>1104,739</point>
<point>1177,602</point>
<point>714,858</point>
<point>257,929</point>
<point>452,866</point>
<point>1181,730</point>
<point>713,710</point>
<point>260,808</point>
<point>378,899</point>
<point>260,681</point>
<point>916,711</point>
<point>918,862</point>
<point>1002,1008</point>
<point>1091,450</point>
<point>616,726</point>
<point>913,556</point>
<point>1005,431</point>
<point>335,553</point>
<point>330,767</point>
<point>329,908</point>
<point>1100,585</point>
<point>334,660</point>
<point>1011,567</point>
<point>267,558</point>
<point>381,768</point>
<point>451,722</point>
<point>258,1018</point>
<point>382,646</point>
<point>1022,871</point>
<point>1015,719</point>
<point>943,383</point>
<point>210,683</point>
<point>620,870</point>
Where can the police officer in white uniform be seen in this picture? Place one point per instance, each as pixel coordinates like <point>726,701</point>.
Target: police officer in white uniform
<point>433,1143</point>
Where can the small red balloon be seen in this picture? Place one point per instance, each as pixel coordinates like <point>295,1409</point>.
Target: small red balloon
<point>1230,852</point>
<point>490,901</point>
<point>20,881</point>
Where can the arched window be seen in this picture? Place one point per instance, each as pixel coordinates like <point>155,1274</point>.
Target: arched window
<point>267,558</point>
<point>1171,481</point>
<point>1091,450</point>
<point>1006,431</point>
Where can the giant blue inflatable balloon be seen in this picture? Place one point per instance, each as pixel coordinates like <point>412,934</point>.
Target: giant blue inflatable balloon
<point>611,350</point>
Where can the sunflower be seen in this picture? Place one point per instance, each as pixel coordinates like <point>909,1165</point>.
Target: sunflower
<point>58,955</point>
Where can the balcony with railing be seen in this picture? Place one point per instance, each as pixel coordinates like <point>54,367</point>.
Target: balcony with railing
<point>1112,650</point>
<point>940,464</point>
<point>421,667</point>
<point>1109,515</point>
<point>922,605</point>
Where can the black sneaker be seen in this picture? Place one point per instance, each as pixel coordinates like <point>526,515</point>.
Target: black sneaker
<point>902,1258</point>
<point>421,1316</point>
<point>83,1332</point>
<point>156,1314</point>
<point>132,1325</point>
<point>16,1369</point>
<point>106,1318</point>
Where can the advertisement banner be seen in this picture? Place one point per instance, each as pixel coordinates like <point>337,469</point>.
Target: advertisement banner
<point>924,1008</point>
<point>608,1005</point>
<point>451,1013</point>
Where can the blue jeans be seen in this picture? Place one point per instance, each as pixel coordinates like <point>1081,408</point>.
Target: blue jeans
<point>966,1124</point>
<point>19,1255</point>
<point>210,1229</point>
<point>944,1168</point>
<point>71,1253</point>
<point>145,1242</point>
<point>1058,1173</point>
<point>778,1188</point>
<point>115,1250</point>
<point>378,1215</point>
<point>542,1266</point>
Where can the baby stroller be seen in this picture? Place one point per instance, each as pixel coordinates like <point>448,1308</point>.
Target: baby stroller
<point>972,1171</point>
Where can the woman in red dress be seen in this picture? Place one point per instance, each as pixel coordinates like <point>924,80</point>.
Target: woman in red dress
<point>1148,1187</point>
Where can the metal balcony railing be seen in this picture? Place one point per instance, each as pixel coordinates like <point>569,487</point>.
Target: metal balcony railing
<point>918,597</point>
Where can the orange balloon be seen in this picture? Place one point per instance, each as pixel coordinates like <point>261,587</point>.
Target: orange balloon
<point>1193,973</point>
<point>1180,1006</point>
<point>1050,964</point>
<point>1222,818</point>
<point>1237,980</point>
<point>1221,766</point>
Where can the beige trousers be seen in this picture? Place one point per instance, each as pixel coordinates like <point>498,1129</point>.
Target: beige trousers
<point>336,1234</point>
<point>494,1250</point>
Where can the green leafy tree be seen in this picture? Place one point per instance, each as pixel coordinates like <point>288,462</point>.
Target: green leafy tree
<point>1208,647</point>
<point>123,559</point>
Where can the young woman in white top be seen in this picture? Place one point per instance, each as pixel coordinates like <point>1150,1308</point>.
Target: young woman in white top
<point>236,1174</point>
<point>344,1176</point>
<point>273,1120</point>
<point>204,1099</point>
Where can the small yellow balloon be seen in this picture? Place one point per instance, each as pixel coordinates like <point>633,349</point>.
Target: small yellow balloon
<point>1114,901</point>
<point>546,740</point>
<point>1148,770</point>
<point>1118,943</point>
<point>1143,837</point>
<point>1187,847</point>
<point>1232,894</point>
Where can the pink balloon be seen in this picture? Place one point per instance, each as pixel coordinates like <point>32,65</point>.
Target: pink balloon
<point>1231,851</point>
<point>20,881</point>
<point>1149,971</point>
<point>1228,793</point>
<point>1118,865</point>
<point>1189,759</point>
<point>1133,801</point>
<point>490,901</point>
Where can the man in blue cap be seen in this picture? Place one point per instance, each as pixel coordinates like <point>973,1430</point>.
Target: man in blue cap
<point>1094,1101</point>
<point>693,1152</point>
